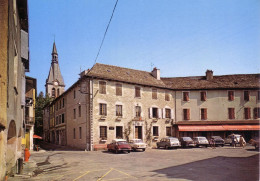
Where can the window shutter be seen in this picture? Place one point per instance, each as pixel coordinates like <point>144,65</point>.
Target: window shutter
<point>150,112</point>
<point>188,114</point>
<point>231,95</point>
<point>163,113</point>
<point>255,113</point>
<point>159,113</point>
<point>205,114</point>
<point>171,113</point>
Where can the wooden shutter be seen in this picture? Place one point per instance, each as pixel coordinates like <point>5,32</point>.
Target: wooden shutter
<point>230,95</point>
<point>203,96</point>
<point>171,113</point>
<point>246,95</point>
<point>163,113</point>
<point>255,113</point>
<point>205,114</point>
<point>159,113</point>
<point>188,114</point>
<point>150,112</point>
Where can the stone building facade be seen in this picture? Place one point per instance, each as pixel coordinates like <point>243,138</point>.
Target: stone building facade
<point>14,62</point>
<point>109,102</point>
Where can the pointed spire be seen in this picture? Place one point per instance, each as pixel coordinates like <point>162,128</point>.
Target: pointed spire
<point>54,50</point>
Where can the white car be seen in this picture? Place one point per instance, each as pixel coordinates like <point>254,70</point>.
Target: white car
<point>137,144</point>
<point>201,141</point>
<point>228,140</point>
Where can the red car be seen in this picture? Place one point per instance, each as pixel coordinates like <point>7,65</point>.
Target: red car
<point>119,145</point>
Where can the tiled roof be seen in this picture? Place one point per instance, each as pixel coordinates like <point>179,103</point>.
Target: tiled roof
<point>116,73</point>
<point>124,75</point>
<point>239,81</point>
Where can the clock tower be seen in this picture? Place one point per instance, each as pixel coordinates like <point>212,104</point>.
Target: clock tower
<point>54,83</point>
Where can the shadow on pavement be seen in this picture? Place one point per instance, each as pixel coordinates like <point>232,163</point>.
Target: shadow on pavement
<point>218,168</point>
<point>54,147</point>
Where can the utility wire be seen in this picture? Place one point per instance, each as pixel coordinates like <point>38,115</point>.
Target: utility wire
<point>106,31</point>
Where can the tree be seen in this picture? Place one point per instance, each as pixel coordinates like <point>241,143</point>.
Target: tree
<point>41,101</point>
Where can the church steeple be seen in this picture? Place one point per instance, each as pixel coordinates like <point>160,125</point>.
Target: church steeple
<point>54,83</point>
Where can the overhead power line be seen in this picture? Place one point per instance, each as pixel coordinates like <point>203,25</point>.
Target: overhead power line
<point>106,31</point>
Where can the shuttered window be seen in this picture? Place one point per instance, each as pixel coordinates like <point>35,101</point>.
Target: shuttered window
<point>119,89</point>
<point>247,113</point>
<point>203,96</point>
<point>74,113</point>
<point>119,111</point>
<point>154,93</point>
<point>246,95</point>
<point>138,111</point>
<point>74,133</point>
<point>203,113</point>
<point>230,95</point>
<point>167,113</point>
<point>137,92</point>
<point>103,109</point>
<point>79,111</point>
<point>102,87</point>
<point>231,113</point>
<point>256,113</point>
<point>155,112</point>
<point>186,114</point>
<point>103,132</point>
<point>186,96</point>
<point>80,134</point>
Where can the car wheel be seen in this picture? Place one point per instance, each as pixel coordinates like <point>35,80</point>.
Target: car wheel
<point>206,146</point>
<point>222,145</point>
<point>166,147</point>
<point>144,149</point>
<point>128,151</point>
<point>158,146</point>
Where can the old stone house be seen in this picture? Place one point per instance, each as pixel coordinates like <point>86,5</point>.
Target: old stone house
<point>14,62</point>
<point>109,102</point>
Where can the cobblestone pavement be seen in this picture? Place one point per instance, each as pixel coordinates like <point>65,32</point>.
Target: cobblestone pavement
<point>222,163</point>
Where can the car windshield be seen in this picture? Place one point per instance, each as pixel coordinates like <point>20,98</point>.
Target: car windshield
<point>173,139</point>
<point>216,137</point>
<point>187,139</point>
<point>121,142</point>
<point>137,141</point>
<point>202,139</point>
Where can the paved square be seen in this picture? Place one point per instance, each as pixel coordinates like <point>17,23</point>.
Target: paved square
<point>222,163</point>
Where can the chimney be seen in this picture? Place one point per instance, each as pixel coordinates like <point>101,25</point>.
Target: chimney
<point>84,72</point>
<point>209,75</point>
<point>156,73</point>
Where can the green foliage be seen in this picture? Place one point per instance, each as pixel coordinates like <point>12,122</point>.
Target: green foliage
<point>41,101</point>
<point>148,135</point>
<point>128,130</point>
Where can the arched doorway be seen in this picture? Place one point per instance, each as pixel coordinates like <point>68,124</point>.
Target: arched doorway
<point>11,145</point>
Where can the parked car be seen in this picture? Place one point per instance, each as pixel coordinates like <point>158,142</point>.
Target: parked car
<point>137,144</point>
<point>187,142</point>
<point>228,140</point>
<point>201,141</point>
<point>168,142</point>
<point>119,145</point>
<point>255,142</point>
<point>218,140</point>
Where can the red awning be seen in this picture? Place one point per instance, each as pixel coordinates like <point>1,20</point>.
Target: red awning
<point>218,127</point>
<point>201,128</point>
<point>37,137</point>
<point>241,127</point>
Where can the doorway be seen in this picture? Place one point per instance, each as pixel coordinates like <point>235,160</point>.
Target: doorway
<point>138,132</point>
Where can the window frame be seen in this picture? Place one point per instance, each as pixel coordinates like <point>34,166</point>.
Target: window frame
<point>156,131</point>
<point>137,113</point>
<point>100,132</point>
<point>246,94</point>
<point>119,109</point>
<point>121,131</point>
<point>157,112</point>
<point>203,96</point>
<point>203,113</point>
<point>231,113</point>
<point>74,113</point>
<point>247,113</point>
<point>102,87</point>
<point>168,127</point>
<point>184,97</point>
<point>154,93</point>
<point>137,92</point>
<point>119,89</point>
<point>231,97</point>
<point>186,114</point>
<point>103,109</point>
<point>168,115</point>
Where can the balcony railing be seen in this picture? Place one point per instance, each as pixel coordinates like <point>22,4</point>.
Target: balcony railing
<point>29,120</point>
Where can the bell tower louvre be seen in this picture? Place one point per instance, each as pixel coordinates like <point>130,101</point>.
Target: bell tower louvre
<point>54,83</point>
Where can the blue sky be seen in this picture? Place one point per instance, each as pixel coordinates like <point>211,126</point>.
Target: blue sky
<point>180,37</point>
